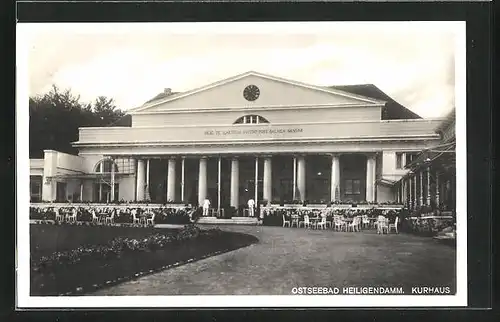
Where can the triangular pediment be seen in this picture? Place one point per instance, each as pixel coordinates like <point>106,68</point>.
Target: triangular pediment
<point>272,91</point>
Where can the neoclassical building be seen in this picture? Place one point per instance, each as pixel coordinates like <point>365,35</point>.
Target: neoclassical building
<point>248,136</point>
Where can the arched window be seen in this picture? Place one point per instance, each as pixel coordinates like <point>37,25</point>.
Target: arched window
<point>251,119</point>
<point>104,166</point>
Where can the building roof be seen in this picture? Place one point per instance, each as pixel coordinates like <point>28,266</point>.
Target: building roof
<point>392,110</point>
<point>166,92</point>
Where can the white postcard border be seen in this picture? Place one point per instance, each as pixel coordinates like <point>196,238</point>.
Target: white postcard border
<point>23,298</point>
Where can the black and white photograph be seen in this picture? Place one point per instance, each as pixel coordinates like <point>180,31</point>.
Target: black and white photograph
<point>263,164</point>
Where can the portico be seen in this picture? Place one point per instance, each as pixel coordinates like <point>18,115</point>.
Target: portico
<point>266,178</point>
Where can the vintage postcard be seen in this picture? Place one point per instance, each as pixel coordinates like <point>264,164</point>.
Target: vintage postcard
<point>297,164</point>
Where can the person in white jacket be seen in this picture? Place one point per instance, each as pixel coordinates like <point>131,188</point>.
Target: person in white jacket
<point>251,208</point>
<point>206,206</point>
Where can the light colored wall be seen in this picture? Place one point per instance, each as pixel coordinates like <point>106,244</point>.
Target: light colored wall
<point>36,167</point>
<point>49,170</point>
<point>273,116</point>
<point>389,171</point>
<point>68,163</point>
<point>184,133</point>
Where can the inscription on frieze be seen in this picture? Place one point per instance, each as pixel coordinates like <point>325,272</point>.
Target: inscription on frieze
<point>253,131</point>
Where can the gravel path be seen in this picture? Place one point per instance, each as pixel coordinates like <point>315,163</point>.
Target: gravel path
<point>286,258</point>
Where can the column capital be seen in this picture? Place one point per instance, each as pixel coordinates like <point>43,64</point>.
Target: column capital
<point>335,154</point>
<point>266,156</point>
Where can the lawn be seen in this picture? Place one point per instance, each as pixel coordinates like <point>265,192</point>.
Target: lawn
<point>97,271</point>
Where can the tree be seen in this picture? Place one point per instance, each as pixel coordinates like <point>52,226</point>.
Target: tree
<point>105,110</point>
<point>56,116</point>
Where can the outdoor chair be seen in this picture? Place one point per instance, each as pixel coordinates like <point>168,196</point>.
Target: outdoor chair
<point>321,223</point>
<point>110,218</point>
<point>285,222</point>
<point>306,223</point>
<point>365,221</point>
<point>354,225</point>
<point>59,215</point>
<point>393,226</point>
<point>339,224</point>
<point>382,225</point>
<point>95,219</point>
<point>72,216</point>
<point>150,220</point>
<point>135,219</point>
<point>295,221</point>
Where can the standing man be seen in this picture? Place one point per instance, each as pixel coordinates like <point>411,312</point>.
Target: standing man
<point>251,208</point>
<point>206,206</point>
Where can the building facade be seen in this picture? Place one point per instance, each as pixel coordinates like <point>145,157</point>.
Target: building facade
<point>249,136</point>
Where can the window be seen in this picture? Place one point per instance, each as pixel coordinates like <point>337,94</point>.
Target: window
<point>352,186</point>
<point>399,160</point>
<point>251,119</point>
<point>104,166</point>
<point>410,157</point>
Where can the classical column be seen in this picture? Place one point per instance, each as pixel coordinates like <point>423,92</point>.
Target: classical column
<point>335,179</point>
<point>415,191</point>
<point>112,197</point>
<point>235,182</point>
<point>404,188</point>
<point>437,189</point>
<point>140,180</point>
<point>171,180</point>
<point>256,182</point>
<point>410,197</point>
<point>183,166</point>
<point>202,181</point>
<point>268,179</point>
<point>294,192</point>
<point>218,184</point>
<point>421,203</point>
<point>428,185</point>
<point>301,177</point>
<point>81,191</point>
<point>148,194</point>
<point>370,178</point>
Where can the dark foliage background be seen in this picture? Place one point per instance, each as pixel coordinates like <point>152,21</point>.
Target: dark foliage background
<point>56,116</point>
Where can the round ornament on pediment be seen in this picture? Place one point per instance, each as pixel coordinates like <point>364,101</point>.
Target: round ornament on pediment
<point>251,93</point>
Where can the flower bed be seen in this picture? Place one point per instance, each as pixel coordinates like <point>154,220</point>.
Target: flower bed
<point>88,267</point>
<point>427,226</point>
